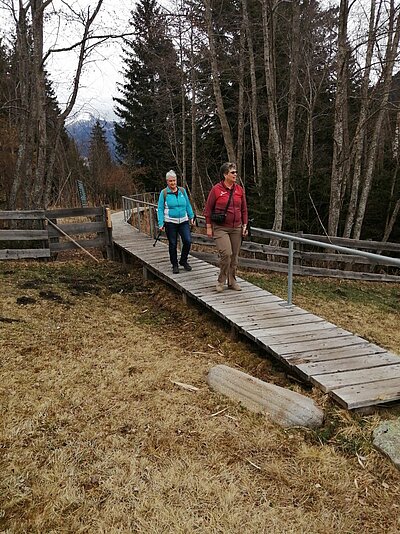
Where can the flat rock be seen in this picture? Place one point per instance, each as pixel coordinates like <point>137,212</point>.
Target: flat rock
<point>386,439</point>
<point>283,406</point>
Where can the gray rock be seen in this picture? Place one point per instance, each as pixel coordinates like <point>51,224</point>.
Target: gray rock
<point>386,439</point>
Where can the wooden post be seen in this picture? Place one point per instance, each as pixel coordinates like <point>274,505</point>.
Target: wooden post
<point>234,335</point>
<point>109,245</point>
<point>147,274</point>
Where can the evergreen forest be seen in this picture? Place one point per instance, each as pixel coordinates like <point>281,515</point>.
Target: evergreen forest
<point>303,95</point>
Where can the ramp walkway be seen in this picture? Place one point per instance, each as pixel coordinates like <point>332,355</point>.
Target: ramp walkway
<point>356,373</point>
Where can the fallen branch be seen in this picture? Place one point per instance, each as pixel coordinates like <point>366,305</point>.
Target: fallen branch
<point>185,386</point>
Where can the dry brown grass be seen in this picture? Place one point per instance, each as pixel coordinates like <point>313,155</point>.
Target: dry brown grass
<point>95,437</point>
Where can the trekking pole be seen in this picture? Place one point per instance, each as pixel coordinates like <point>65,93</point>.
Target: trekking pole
<point>157,238</point>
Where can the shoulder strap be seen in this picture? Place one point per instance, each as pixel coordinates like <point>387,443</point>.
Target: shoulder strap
<point>229,199</point>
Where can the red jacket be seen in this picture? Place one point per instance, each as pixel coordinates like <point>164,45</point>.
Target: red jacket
<point>218,199</point>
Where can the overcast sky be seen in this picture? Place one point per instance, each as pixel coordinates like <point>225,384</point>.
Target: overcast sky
<point>102,71</point>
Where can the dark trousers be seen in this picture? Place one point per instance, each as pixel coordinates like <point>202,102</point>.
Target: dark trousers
<point>173,230</point>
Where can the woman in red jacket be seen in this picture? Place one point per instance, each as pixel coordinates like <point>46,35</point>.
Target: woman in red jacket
<point>227,219</point>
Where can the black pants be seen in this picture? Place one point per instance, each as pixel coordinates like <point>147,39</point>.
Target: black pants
<point>173,230</point>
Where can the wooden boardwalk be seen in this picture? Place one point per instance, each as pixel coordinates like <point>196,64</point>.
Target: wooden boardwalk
<point>353,371</point>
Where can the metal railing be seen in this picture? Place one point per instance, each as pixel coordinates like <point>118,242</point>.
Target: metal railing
<point>137,206</point>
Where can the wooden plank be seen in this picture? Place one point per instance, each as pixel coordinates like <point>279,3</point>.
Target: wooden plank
<point>229,298</point>
<point>287,330</point>
<point>18,254</point>
<point>304,336</point>
<point>219,295</point>
<point>189,286</point>
<point>244,295</point>
<point>363,349</point>
<point>260,306</point>
<point>23,235</point>
<point>297,348</point>
<point>336,380</point>
<point>303,319</point>
<point>371,394</point>
<point>22,215</point>
<point>239,300</point>
<point>64,213</point>
<point>68,245</point>
<point>347,364</point>
<point>274,309</point>
<point>77,228</point>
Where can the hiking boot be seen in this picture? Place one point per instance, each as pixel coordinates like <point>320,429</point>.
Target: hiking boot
<point>219,287</point>
<point>185,265</point>
<point>175,269</point>
<point>235,286</point>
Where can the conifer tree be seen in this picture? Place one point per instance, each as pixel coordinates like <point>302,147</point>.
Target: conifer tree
<point>99,162</point>
<point>150,100</point>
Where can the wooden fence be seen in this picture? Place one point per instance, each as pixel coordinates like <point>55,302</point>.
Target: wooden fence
<point>44,233</point>
<point>263,252</point>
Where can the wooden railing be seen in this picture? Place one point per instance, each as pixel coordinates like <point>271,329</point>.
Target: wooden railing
<point>323,256</point>
<point>44,233</point>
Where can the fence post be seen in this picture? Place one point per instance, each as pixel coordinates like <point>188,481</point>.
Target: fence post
<point>108,233</point>
<point>290,273</point>
<point>138,215</point>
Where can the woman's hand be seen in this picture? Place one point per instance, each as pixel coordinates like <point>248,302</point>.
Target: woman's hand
<point>209,230</point>
<point>244,230</point>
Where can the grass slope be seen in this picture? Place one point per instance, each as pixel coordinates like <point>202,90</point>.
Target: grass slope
<point>96,437</point>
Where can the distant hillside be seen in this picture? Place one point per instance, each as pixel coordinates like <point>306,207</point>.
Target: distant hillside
<point>80,131</point>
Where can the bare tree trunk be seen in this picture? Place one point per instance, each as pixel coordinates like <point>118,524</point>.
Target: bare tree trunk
<point>226,130</point>
<point>183,111</point>
<point>340,134</point>
<point>359,136</point>
<point>390,57</point>
<point>391,222</point>
<point>240,133</point>
<point>197,196</point>
<point>24,120</point>
<point>270,78</point>
<point>39,103</point>
<point>291,113</point>
<point>254,102</point>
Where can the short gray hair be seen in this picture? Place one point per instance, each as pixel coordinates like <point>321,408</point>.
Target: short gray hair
<point>171,174</point>
<point>226,167</point>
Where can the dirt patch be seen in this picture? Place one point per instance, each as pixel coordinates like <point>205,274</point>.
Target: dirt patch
<point>96,436</point>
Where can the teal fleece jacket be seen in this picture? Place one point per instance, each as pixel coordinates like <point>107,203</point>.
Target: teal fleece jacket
<point>175,209</point>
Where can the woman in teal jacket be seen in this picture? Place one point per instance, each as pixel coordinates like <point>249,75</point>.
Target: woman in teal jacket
<point>174,215</point>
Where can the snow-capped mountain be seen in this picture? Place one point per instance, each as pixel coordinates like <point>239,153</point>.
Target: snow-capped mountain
<point>80,131</point>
